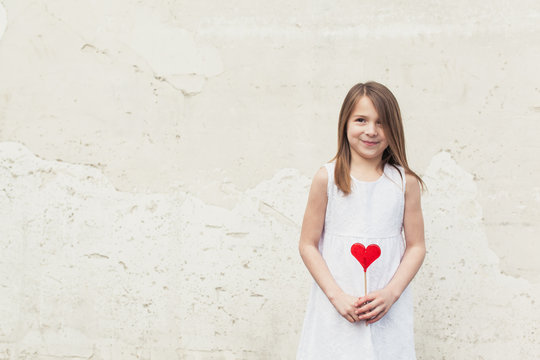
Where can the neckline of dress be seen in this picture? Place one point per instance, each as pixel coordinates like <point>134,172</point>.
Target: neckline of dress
<point>371,182</point>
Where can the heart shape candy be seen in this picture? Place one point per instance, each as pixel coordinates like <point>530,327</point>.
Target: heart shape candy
<point>365,256</point>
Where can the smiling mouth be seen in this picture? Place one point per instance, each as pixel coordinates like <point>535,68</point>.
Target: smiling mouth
<point>370,142</point>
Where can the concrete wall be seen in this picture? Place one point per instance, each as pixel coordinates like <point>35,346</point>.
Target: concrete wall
<point>155,159</point>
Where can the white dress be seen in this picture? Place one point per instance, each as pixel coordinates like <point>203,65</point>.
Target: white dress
<point>371,214</point>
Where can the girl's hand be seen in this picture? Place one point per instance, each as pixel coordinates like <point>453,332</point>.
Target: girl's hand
<point>345,305</point>
<point>375,305</point>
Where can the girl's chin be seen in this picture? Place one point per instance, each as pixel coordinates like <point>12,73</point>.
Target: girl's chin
<point>369,154</point>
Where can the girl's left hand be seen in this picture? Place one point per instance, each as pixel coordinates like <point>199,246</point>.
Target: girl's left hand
<point>375,305</point>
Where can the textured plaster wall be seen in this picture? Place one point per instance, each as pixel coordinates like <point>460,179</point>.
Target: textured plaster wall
<point>155,159</point>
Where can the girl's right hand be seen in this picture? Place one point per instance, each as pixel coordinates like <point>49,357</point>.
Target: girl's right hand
<point>345,306</point>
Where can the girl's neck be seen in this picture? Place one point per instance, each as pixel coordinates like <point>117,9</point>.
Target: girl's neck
<point>363,164</point>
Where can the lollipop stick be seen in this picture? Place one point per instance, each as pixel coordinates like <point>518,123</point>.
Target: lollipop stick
<point>365,288</point>
<point>365,284</point>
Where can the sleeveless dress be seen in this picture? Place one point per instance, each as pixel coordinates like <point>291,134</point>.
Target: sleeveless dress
<point>371,214</point>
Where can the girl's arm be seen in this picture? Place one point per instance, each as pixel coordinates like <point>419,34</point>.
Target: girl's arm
<point>413,224</point>
<point>312,227</point>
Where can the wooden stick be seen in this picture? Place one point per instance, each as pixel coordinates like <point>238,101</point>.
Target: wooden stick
<point>365,289</point>
<point>365,284</point>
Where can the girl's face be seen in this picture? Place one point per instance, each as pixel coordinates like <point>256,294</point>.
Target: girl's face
<point>365,131</point>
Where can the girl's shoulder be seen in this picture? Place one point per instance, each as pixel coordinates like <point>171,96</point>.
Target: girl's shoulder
<point>330,163</point>
<point>407,178</point>
<point>321,182</point>
<point>330,167</point>
<point>324,177</point>
<point>324,173</point>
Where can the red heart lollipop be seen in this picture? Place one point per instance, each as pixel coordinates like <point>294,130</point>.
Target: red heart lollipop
<point>365,256</point>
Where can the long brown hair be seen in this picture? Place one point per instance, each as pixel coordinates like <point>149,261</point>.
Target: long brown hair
<point>389,114</point>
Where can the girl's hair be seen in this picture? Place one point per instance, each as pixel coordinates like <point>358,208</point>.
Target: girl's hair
<point>388,110</point>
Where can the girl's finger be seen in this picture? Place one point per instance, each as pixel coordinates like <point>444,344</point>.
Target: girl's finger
<point>377,318</point>
<point>370,314</point>
<point>364,299</point>
<point>367,307</point>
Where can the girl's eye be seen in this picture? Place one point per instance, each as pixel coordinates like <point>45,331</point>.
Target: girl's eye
<point>360,119</point>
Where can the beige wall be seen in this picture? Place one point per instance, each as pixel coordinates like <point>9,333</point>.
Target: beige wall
<point>155,159</point>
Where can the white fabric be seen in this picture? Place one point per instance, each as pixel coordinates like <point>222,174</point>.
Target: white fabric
<point>371,214</point>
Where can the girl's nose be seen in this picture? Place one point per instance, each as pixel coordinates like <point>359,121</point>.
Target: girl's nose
<point>371,130</point>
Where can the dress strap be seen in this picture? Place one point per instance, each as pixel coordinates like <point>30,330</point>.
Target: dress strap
<point>403,178</point>
<point>330,170</point>
<point>397,176</point>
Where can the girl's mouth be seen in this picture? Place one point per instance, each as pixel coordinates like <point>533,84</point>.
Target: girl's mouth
<point>369,143</point>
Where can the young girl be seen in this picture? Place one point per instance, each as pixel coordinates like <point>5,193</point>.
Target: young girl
<point>367,194</point>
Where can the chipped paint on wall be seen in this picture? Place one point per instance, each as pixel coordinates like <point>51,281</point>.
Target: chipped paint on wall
<point>465,306</point>
<point>156,174</point>
<point>98,272</point>
<point>109,274</point>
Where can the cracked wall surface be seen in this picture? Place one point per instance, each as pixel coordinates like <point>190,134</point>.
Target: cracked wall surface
<point>156,158</point>
<point>466,307</point>
<point>102,274</point>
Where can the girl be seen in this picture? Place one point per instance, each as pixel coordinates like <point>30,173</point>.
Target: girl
<point>366,194</point>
